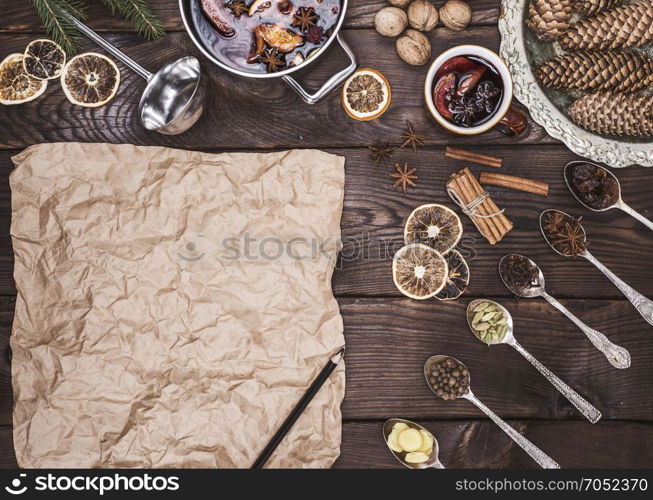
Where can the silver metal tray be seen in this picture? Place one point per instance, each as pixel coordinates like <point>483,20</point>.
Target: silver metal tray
<point>521,51</point>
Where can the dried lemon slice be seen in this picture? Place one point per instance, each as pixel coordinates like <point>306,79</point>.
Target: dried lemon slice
<point>434,225</point>
<point>457,278</point>
<point>90,80</point>
<point>44,59</point>
<point>16,86</point>
<point>419,272</point>
<point>366,95</point>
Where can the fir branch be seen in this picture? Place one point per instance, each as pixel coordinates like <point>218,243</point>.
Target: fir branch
<point>140,14</point>
<point>57,25</point>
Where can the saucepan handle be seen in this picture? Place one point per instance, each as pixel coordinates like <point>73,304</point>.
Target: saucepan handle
<point>331,84</point>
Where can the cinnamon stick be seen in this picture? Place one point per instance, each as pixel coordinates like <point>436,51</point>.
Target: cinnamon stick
<point>482,209</point>
<point>481,159</point>
<point>500,220</point>
<point>514,182</point>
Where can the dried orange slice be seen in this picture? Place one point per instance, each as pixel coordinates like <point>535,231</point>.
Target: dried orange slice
<point>457,278</point>
<point>419,272</point>
<point>90,80</point>
<point>44,59</point>
<point>434,225</point>
<point>16,86</point>
<point>366,95</point>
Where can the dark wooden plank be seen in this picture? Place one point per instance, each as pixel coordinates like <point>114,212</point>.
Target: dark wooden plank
<point>247,113</point>
<point>374,216</point>
<point>388,341</point>
<point>473,444</point>
<point>19,17</point>
<point>481,444</point>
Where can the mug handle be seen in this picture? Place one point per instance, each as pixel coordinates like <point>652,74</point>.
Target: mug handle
<point>514,122</point>
<point>331,84</point>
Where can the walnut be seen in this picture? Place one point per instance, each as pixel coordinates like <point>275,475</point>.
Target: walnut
<point>390,21</point>
<point>399,3</point>
<point>455,15</point>
<point>414,48</point>
<point>422,15</point>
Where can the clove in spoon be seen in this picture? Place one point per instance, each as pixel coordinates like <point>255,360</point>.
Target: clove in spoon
<point>535,453</point>
<point>643,305</point>
<point>616,355</point>
<point>432,463</point>
<point>618,203</point>
<point>581,404</point>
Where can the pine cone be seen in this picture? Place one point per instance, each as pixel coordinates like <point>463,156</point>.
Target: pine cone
<point>548,19</point>
<point>614,114</point>
<point>591,7</point>
<point>616,71</point>
<point>626,26</point>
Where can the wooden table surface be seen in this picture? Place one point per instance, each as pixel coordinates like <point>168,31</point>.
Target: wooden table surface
<point>389,336</point>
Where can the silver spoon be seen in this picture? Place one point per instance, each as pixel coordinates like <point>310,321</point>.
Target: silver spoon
<point>616,355</point>
<point>432,463</point>
<point>173,99</point>
<point>535,453</point>
<point>643,305</point>
<point>581,404</point>
<point>620,204</point>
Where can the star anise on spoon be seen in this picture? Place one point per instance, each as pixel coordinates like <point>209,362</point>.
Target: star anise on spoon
<point>404,176</point>
<point>412,138</point>
<point>380,151</point>
<point>571,239</point>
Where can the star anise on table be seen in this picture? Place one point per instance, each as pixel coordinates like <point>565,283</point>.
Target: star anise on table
<point>412,138</point>
<point>304,18</point>
<point>380,151</point>
<point>404,176</point>
<point>237,7</point>
<point>570,240</point>
<point>273,59</point>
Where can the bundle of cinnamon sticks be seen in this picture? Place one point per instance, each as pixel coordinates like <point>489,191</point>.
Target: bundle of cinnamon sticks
<point>465,190</point>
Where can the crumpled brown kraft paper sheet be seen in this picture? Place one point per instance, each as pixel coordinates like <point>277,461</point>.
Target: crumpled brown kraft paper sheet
<point>141,338</point>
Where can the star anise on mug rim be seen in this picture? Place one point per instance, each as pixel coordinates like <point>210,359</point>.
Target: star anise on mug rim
<point>380,151</point>
<point>404,176</point>
<point>412,138</point>
<point>304,18</point>
<point>237,7</point>
<point>273,60</point>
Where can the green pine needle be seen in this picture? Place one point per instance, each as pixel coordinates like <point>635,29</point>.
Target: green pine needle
<point>141,16</point>
<point>60,29</point>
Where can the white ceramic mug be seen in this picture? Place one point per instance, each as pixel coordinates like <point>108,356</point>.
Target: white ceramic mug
<point>513,122</point>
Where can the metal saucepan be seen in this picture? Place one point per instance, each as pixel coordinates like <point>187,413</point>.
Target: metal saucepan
<point>185,7</point>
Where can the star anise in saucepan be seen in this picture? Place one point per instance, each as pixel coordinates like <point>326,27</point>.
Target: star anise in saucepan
<point>273,59</point>
<point>237,7</point>
<point>304,18</point>
<point>404,176</point>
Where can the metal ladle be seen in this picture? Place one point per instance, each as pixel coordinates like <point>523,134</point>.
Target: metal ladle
<point>432,463</point>
<point>643,305</point>
<point>173,99</point>
<point>620,204</point>
<point>616,355</point>
<point>535,453</point>
<point>581,404</point>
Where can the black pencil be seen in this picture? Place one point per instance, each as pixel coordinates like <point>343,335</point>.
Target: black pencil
<point>298,409</point>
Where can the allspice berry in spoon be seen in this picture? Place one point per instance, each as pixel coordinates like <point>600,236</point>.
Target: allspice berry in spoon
<point>422,15</point>
<point>414,48</point>
<point>456,15</point>
<point>390,21</point>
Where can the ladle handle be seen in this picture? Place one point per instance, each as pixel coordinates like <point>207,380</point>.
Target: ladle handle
<point>535,453</point>
<point>581,404</point>
<point>634,213</point>
<point>643,305</point>
<point>616,355</point>
<point>128,61</point>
